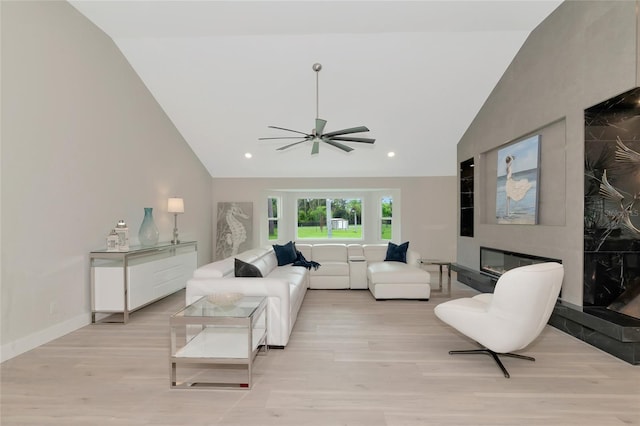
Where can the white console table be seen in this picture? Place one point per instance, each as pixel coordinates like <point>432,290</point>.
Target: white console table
<point>122,282</point>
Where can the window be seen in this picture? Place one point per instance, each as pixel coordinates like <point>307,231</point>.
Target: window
<point>320,218</point>
<point>273,214</point>
<point>386,216</point>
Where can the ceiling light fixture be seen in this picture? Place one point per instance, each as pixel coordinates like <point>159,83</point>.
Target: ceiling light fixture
<point>316,136</point>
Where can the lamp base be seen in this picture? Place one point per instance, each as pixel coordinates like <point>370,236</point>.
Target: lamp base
<point>175,236</point>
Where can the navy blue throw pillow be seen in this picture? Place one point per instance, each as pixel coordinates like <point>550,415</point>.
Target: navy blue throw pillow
<point>397,253</point>
<point>286,254</point>
<point>247,270</point>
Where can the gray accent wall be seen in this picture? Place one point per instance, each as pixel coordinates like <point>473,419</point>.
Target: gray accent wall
<point>584,53</point>
<point>84,144</point>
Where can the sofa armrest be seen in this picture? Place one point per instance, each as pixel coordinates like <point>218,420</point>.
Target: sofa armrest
<point>413,258</point>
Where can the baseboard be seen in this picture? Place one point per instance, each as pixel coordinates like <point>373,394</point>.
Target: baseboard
<point>32,341</point>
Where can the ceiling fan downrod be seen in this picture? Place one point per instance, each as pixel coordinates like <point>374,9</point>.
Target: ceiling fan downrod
<point>317,67</point>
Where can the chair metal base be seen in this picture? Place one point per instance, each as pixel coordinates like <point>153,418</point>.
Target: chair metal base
<point>495,357</point>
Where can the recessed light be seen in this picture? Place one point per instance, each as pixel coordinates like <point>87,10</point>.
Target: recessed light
<point>391,154</point>
<point>247,155</point>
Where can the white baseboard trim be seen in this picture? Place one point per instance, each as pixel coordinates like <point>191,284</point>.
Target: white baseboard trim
<point>24,344</point>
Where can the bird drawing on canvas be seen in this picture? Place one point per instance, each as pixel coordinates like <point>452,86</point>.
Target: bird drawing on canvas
<point>515,189</point>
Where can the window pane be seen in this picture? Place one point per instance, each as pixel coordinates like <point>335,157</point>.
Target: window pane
<point>343,221</point>
<point>272,207</point>
<point>273,229</point>
<point>387,216</point>
<point>386,229</point>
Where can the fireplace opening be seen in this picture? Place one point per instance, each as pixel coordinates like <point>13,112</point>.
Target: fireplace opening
<point>495,262</point>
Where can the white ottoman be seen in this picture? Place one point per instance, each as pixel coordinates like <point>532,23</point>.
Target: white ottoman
<point>397,280</point>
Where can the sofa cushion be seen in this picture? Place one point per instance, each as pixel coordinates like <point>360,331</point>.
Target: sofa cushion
<point>291,274</point>
<point>285,254</point>
<point>332,269</point>
<point>396,272</point>
<point>397,253</point>
<point>324,253</point>
<point>244,269</point>
<point>218,269</point>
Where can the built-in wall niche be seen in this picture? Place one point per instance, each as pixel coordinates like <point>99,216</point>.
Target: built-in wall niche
<point>551,184</point>
<point>612,205</point>
<point>466,198</point>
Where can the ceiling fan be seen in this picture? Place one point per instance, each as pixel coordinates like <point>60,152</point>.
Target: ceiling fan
<point>316,136</point>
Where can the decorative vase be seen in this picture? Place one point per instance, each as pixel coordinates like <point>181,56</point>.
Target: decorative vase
<point>148,234</point>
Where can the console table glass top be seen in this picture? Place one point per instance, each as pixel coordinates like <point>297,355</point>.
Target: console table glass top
<point>143,249</point>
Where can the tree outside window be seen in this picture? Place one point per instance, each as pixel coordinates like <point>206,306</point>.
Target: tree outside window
<point>386,218</point>
<point>273,216</point>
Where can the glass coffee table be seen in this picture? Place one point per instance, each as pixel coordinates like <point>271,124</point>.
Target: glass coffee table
<point>218,331</point>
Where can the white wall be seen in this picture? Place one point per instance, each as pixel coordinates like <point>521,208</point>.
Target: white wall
<point>584,53</point>
<point>83,144</point>
<point>427,210</point>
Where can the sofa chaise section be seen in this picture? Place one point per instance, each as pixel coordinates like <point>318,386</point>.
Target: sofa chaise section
<point>395,280</point>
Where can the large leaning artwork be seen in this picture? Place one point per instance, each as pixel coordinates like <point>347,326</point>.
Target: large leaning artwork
<point>234,229</point>
<point>517,183</point>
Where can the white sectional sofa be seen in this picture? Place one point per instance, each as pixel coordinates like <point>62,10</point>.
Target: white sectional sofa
<point>353,266</point>
<point>284,286</point>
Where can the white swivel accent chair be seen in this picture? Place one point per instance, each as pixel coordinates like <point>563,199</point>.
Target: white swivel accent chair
<point>511,317</point>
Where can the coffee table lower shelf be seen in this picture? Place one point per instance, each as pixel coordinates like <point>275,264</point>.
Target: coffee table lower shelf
<point>218,346</point>
<point>212,343</point>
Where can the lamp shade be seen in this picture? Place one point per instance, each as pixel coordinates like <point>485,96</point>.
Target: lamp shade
<point>175,205</point>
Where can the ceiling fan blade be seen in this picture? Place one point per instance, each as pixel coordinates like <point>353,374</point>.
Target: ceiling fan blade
<point>347,131</point>
<point>338,145</point>
<point>320,123</point>
<point>352,139</point>
<point>288,130</point>
<point>316,147</point>
<point>290,145</point>
<point>280,137</point>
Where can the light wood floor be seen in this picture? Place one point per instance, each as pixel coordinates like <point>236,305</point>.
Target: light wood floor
<point>350,361</point>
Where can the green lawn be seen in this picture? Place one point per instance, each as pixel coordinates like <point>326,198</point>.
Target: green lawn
<point>355,232</point>
<point>311,232</point>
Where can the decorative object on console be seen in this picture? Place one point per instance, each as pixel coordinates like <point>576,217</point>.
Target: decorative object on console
<point>316,136</point>
<point>246,270</point>
<point>517,182</point>
<point>148,234</point>
<point>397,253</point>
<point>286,254</point>
<point>112,241</point>
<point>234,228</point>
<point>123,235</point>
<point>175,206</point>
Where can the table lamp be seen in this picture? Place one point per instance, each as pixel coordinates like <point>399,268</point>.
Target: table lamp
<point>175,206</point>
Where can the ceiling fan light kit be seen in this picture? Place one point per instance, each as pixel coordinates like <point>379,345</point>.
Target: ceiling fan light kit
<point>317,135</point>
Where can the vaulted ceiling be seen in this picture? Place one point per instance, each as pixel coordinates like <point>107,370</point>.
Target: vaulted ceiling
<point>414,72</point>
